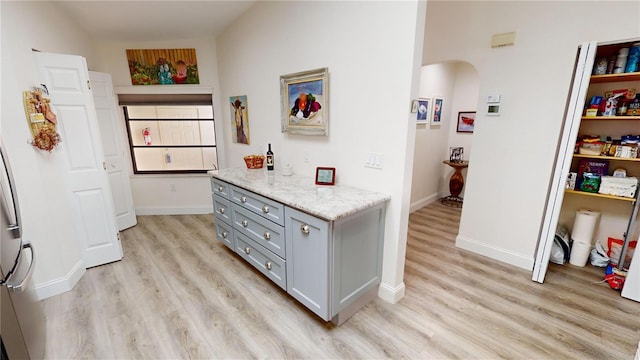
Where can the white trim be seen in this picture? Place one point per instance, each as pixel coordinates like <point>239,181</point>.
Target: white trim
<point>61,285</point>
<point>391,294</point>
<point>175,211</point>
<point>173,89</point>
<point>423,202</point>
<point>495,253</point>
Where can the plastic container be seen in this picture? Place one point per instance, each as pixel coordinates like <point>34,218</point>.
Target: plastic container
<point>633,60</point>
<point>621,61</point>
<point>579,253</point>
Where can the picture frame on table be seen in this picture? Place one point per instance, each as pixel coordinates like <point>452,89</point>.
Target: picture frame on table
<point>304,100</point>
<point>423,111</point>
<point>325,176</point>
<point>466,121</point>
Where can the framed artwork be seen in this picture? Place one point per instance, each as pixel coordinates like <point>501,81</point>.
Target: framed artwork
<point>305,102</point>
<point>436,112</point>
<point>163,66</point>
<point>239,119</point>
<point>466,120</point>
<point>325,176</point>
<point>414,106</point>
<point>456,154</point>
<point>423,111</point>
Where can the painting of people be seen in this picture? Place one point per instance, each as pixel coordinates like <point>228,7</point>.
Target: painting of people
<point>239,119</point>
<point>163,66</point>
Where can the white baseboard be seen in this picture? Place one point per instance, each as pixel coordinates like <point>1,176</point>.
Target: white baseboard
<point>175,211</point>
<point>424,202</point>
<point>61,285</point>
<point>495,253</point>
<point>391,294</point>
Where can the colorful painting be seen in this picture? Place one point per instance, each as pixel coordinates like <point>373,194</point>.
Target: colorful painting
<point>163,66</point>
<point>239,119</point>
<point>304,97</point>
<point>438,104</point>
<point>422,110</point>
<point>466,121</point>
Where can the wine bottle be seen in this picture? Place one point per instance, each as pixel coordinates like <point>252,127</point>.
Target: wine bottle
<point>269,158</point>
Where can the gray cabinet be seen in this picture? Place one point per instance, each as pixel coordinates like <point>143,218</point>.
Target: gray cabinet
<point>333,267</point>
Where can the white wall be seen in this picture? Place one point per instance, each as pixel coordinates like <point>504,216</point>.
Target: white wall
<point>46,215</point>
<point>370,50</point>
<point>153,194</point>
<point>513,154</point>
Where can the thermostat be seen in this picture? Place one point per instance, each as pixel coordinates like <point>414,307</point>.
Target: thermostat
<point>493,109</point>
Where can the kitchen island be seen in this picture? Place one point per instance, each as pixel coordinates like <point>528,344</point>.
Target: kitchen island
<point>321,244</point>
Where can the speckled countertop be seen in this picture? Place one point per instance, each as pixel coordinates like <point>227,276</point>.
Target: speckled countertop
<point>301,192</point>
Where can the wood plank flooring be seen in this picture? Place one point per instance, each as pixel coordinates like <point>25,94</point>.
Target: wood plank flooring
<point>179,293</point>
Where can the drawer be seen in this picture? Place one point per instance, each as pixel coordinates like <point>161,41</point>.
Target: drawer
<point>262,206</point>
<point>260,230</point>
<point>220,187</point>
<point>264,260</point>
<point>224,233</point>
<point>222,208</point>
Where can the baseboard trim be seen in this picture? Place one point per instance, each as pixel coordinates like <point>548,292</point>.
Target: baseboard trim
<point>423,202</point>
<point>495,253</point>
<point>175,211</point>
<point>61,285</point>
<point>391,294</point>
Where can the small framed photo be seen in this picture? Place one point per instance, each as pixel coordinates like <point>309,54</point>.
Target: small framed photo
<point>466,120</point>
<point>325,176</point>
<point>414,106</point>
<point>436,112</point>
<point>422,110</point>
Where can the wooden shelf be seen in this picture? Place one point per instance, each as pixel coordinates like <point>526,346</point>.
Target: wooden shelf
<point>607,118</point>
<point>605,157</point>
<point>599,195</point>
<point>595,79</point>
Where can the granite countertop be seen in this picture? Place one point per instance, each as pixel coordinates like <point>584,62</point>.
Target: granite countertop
<point>301,192</point>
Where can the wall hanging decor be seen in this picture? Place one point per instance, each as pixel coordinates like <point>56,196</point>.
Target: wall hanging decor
<point>436,113</point>
<point>239,119</point>
<point>466,121</point>
<point>305,102</point>
<point>41,119</point>
<point>163,66</point>
<point>422,111</point>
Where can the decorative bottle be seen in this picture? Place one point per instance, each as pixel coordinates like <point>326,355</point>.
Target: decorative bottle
<point>269,158</point>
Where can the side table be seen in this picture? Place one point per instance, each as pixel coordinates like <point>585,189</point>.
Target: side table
<point>456,183</point>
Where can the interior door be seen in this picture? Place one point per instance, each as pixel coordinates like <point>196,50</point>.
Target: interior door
<point>67,80</point>
<point>571,124</point>
<point>114,151</point>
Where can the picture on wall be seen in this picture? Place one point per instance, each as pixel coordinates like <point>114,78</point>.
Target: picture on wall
<point>422,112</point>
<point>239,119</point>
<point>436,116</point>
<point>163,66</point>
<point>305,102</point>
<point>466,120</point>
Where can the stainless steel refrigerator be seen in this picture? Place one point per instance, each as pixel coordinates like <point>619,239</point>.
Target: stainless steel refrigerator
<point>22,322</point>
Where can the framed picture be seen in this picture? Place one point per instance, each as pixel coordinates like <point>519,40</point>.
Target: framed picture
<point>163,66</point>
<point>466,120</point>
<point>422,112</point>
<point>305,102</point>
<point>414,106</point>
<point>456,154</point>
<point>239,119</point>
<point>325,176</point>
<point>436,113</point>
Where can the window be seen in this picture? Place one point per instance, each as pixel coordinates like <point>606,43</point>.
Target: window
<point>171,138</point>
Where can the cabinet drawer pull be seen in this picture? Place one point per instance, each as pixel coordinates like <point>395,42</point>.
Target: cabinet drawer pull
<point>220,188</point>
<point>305,229</point>
<point>265,209</point>
<point>222,210</point>
<point>267,235</point>
<point>243,199</point>
<point>247,250</point>
<point>245,223</point>
<point>225,234</point>
<point>268,265</point>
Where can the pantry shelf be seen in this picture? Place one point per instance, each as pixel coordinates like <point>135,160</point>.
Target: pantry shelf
<point>605,157</point>
<point>609,118</point>
<point>600,195</point>
<point>595,79</point>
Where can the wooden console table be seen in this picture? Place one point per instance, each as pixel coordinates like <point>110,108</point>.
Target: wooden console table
<point>456,183</point>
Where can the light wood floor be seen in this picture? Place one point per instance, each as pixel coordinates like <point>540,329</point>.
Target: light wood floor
<point>179,293</point>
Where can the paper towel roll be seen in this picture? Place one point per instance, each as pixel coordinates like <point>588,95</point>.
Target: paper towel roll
<point>579,254</point>
<point>584,225</point>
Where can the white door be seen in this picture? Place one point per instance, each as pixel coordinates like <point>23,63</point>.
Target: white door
<point>67,79</point>
<point>114,151</point>
<point>573,115</point>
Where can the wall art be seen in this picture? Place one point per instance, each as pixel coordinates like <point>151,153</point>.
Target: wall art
<point>436,113</point>
<point>423,111</point>
<point>239,119</point>
<point>466,121</point>
<point>304,100</point>
<point>163,66</point>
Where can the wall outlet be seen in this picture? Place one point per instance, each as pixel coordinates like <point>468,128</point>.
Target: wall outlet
<point>306,156</point>
<point>172,187</point>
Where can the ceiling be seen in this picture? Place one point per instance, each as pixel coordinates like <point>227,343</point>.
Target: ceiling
<point>149,20</point>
